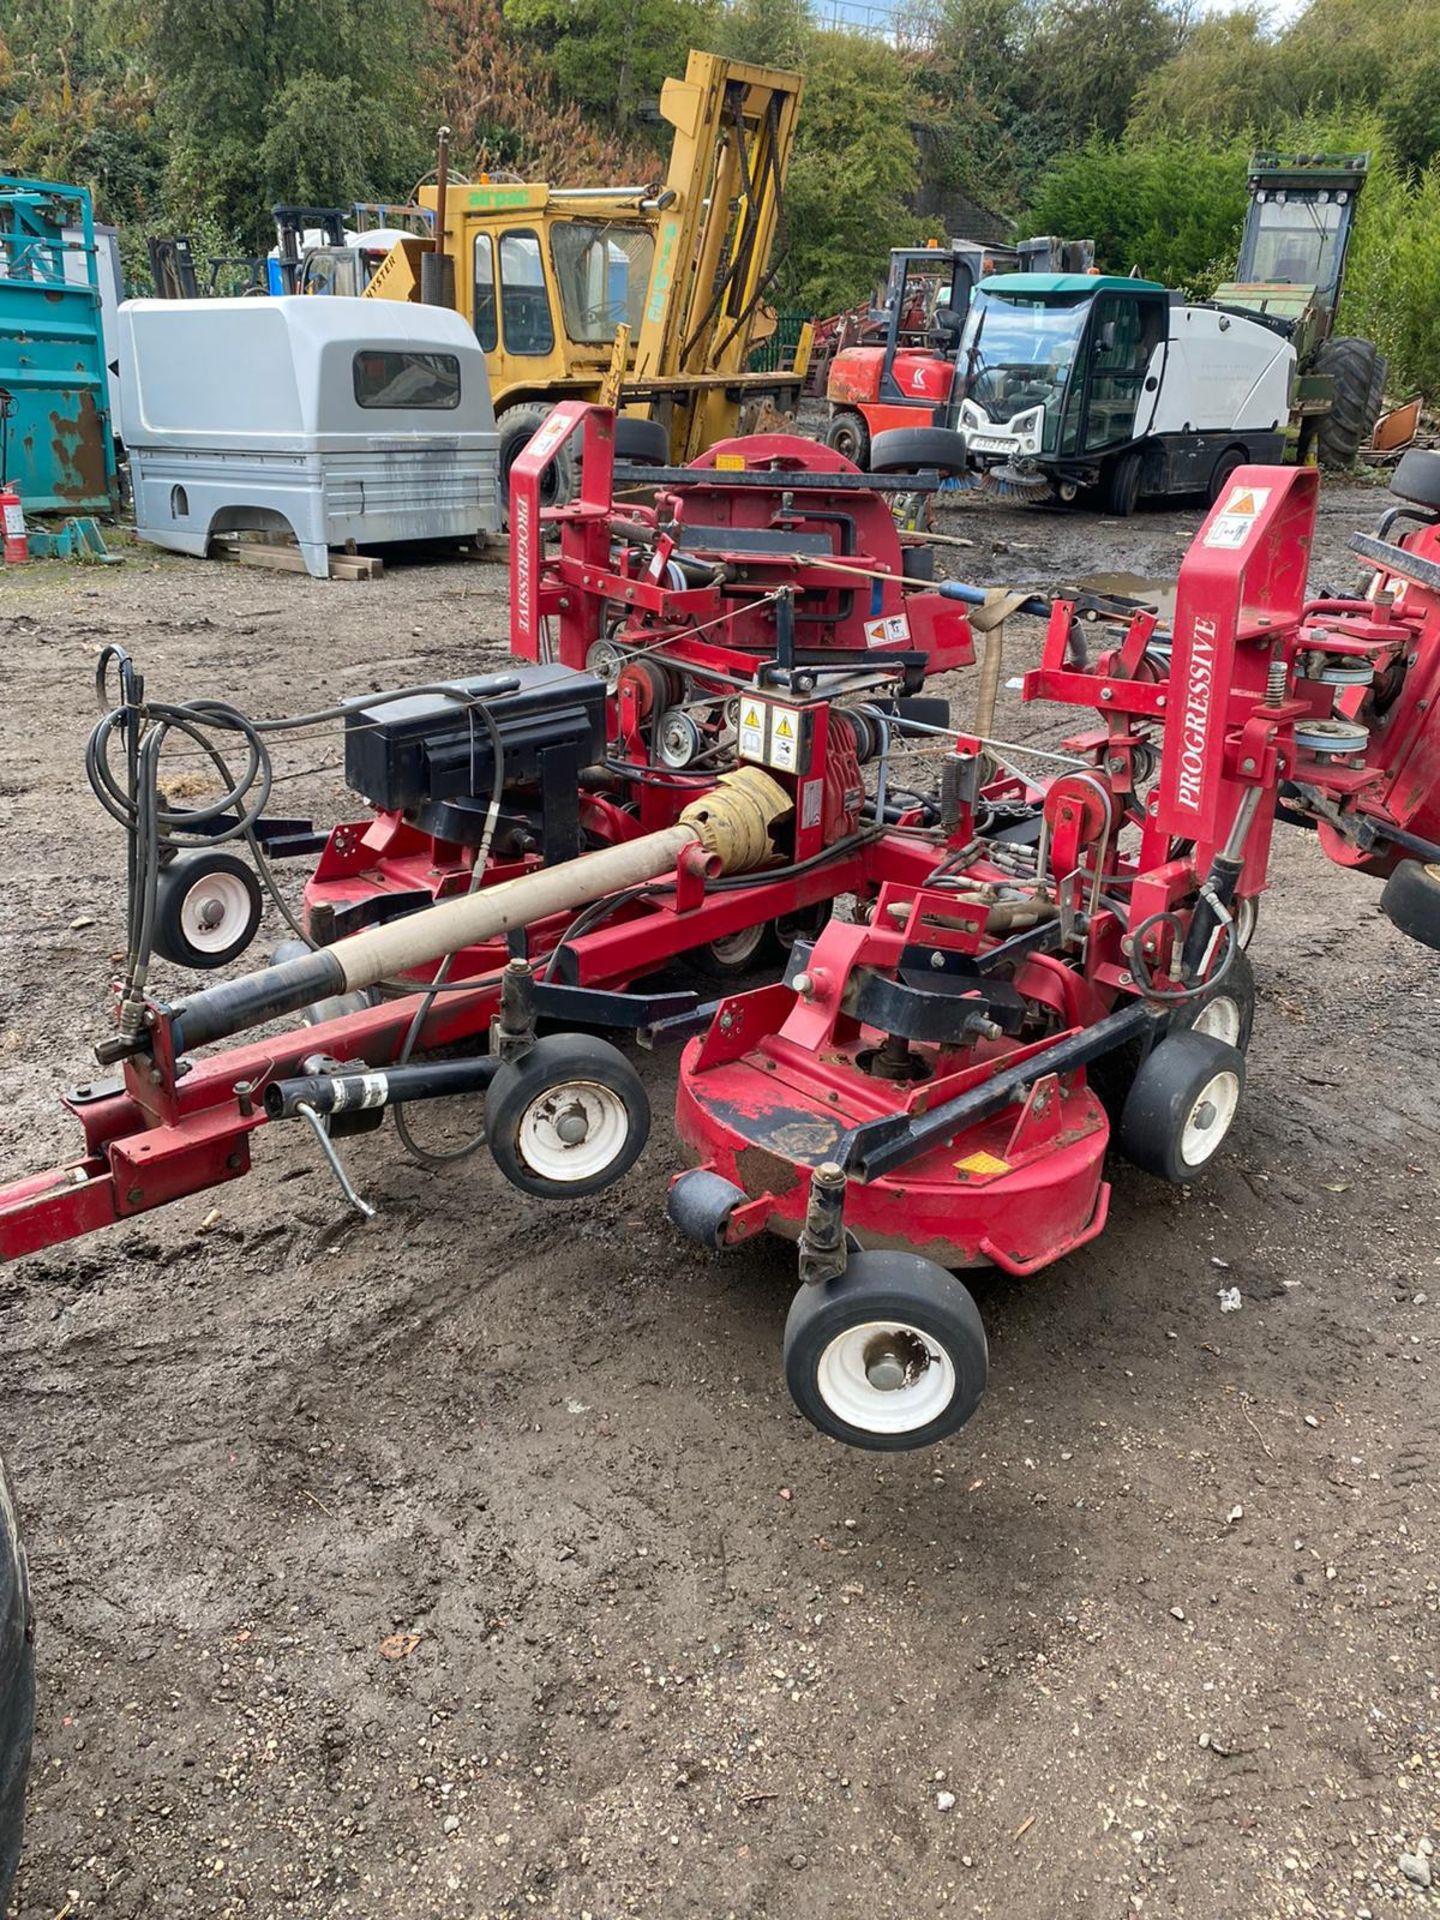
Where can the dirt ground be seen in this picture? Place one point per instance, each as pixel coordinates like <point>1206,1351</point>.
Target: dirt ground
<point>1156,1634</point>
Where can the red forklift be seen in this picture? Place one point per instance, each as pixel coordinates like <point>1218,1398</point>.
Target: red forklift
<point>900,374</point>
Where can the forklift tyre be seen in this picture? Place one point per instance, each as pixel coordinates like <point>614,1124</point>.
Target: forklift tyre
<point>909,449</point>
<point>17,1686</point>
<point>207,910</point>
<point>644,443</point>
<point>848,434</point>
<point>1417,478</point>
<point>890,1355</point>
<point>700,1204</point>
<point>517,427</point>
<point>568,1118</point>
<point>1181,1106</point>
<point>1411,901</point>
<point>1120,488</point>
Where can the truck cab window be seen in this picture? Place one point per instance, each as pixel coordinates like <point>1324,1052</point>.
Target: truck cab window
<point>524,296</point>
<point>487,319</point>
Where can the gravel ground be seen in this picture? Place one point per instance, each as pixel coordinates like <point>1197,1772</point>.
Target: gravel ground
<point>475,1563</point>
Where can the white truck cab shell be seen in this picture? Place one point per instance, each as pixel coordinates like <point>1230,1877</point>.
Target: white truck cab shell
<point>334,420</point>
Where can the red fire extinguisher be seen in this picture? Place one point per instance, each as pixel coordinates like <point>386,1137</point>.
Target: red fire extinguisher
<point>12,513</point>
<point>17,541</point>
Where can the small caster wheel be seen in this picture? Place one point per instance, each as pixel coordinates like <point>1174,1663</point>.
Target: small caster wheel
<point>1247,919</point>
<point>890,1355</point>
<point>566,1119</point>
<point>1181,1105</point>
<point>207,908</point>
<point>737,954</point>
<point>700,1204</point>
<point>1227,1010</point>
<point>1411,900</point>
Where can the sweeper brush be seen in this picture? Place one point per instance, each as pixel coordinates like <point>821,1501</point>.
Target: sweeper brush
<point>967,999</point>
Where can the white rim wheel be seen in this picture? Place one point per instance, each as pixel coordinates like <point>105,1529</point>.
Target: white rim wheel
<point>1247,918</point>
<point>736,949</point>
<point>215,912</point>
<point>885,1376</point>
<point>1210,1117</point>
<point>1221,1019</point>
<point>573,1132</point>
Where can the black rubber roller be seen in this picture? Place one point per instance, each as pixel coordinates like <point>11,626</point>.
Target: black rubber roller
<point>700,1204</point>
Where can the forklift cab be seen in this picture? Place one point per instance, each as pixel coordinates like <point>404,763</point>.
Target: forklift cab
<point>927,295</point>
<point>1057,366</point>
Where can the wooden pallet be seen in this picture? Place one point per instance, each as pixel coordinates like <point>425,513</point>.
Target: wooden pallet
<point>280,558</point>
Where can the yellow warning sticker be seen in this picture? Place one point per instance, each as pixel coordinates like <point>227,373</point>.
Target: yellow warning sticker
<point>986,1164</point>
<point>730,462</point>
<point>784,728</point>
<point>750,715</point>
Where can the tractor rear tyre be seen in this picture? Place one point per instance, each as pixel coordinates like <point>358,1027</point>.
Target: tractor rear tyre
<point>1357,368</point>
<point>1411,901</point>
<point>848,434</point>
<point>517,426</point>
<point>1417,478</point>
<point>17,1686</point>
<point>643,443</point>
<point>568,1118</point>
<point>911,449</point>
<point>890,1355</point>
<point>1120,487</point>
<point>1181,1106</point>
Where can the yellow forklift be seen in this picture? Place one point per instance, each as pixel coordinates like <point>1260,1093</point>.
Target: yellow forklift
<point>651,295</point>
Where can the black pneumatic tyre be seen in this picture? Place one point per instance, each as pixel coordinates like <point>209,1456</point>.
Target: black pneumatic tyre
<point>568,1118</point>
<point>1229,462</point>
<point>1417,478</point>
<point>891,1355</point>
<point>910,449</point>
<point>1120,488</point>
<point>1226,1012</point>
<point>207,909</point>
<point>642,443</point>
<point>1411,901</point>
<point>1358,369</point>
<point>1181,1105</point>
<point>517,427</point>
<point>847,433</point>
<point>17,1686</point>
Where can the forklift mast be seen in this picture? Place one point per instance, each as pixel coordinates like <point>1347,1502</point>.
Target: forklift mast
<point>549,276</point>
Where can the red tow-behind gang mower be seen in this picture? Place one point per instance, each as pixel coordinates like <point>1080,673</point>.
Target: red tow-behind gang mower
<point>693,755</point>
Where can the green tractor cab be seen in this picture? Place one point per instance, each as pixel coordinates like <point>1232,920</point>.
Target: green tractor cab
<point>1291,274</point>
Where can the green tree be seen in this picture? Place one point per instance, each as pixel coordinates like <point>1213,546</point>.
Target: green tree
<point>241,99</point>
<point>1094,54</point>
<point>854,172</point>
<point>612,55</point>
<point>767,33</point>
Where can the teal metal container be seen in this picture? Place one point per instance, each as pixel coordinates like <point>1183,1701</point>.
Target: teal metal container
<point>60,447</point>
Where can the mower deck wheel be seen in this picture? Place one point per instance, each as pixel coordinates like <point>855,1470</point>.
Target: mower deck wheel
<point>1225,1013</point>
<point>890,1355</point>
<point>1181,1106</point>
<point>568,1118</point>
<point>17,1686</point>
<point>207,908</point>
<point>1411,901</point>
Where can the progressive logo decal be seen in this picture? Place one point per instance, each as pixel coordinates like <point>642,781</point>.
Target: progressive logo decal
<point>1195,722</point>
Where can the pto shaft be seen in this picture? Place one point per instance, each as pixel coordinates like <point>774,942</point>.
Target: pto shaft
<point>731,824</point>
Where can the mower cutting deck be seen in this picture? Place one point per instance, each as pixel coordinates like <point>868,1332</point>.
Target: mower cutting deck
<point>691,755</point>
